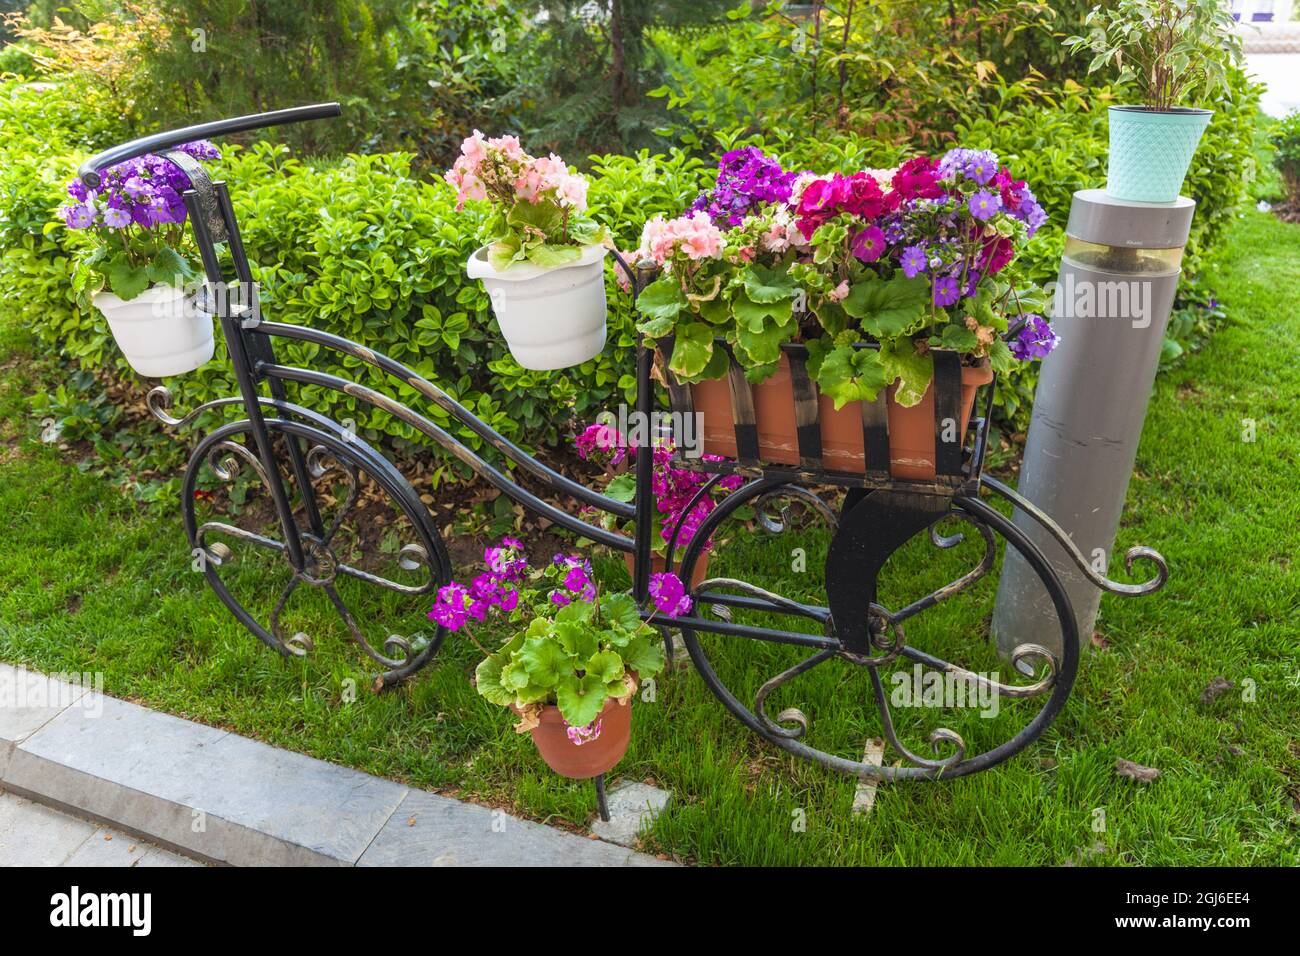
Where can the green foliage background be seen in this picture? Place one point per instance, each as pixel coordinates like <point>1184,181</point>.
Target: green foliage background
<point>369,246</point>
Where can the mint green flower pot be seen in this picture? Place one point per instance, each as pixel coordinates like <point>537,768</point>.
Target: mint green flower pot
<point>1151,150</point>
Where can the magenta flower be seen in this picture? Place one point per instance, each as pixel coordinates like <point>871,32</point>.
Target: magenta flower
<point>869,244</point>
<point>454,605</point>
<point>669,595</point>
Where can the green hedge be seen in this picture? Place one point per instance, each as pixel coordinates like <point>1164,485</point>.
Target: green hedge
<point>359,247</point>
<point>364,249</point>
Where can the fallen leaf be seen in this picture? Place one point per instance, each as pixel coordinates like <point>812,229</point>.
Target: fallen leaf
<point>1135,771</point>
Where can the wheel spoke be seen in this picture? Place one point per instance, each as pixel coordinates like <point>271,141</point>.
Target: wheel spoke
<point>790,714</point>
<point>938,737</point>
<point>963,582</point>
<point>394,642</point>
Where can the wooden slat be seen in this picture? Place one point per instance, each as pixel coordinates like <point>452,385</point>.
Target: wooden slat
<point>875,435</point>
<point>807,417</point>
<point>947,412</point>
<point>742,412</point>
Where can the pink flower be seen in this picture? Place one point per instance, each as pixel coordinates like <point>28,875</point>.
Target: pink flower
<point>839,293</point>
<point>474,149</point>
<point>869,244</point>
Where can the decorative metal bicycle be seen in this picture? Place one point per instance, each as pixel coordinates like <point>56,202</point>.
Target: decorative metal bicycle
<point>314,469</point>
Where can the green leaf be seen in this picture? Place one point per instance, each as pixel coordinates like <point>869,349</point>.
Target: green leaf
<point>620,610</point>
<point>912,371</point>
<point>581,699</point>
<point>545,217</point>
<point>847,374</point>
<point>487,681</point>
<point>606,665</point>
<point>692,349</point>
<point>169,268</point>
<point>501,255</point>
<point>762,346</point>
<point>1000,357</point>
<point>126,280</point>
<point>757,316</point>
<point>622,487</point>
<point>545,660</point>
<point>645,655</point>
<point>548,256</point>
<point>576,638</point>
<point>660,302</point>
<point>888,308</point>
<point>764,285</point>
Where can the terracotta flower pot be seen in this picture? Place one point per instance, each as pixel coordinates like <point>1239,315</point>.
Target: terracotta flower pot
<point>657,564</point>
<point>911,430</point>
<point>572,753</point>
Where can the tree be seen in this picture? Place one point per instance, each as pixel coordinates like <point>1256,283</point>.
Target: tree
<point>592,63</point>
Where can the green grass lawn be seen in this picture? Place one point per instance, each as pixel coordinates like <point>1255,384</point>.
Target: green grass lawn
<point>89,582</point>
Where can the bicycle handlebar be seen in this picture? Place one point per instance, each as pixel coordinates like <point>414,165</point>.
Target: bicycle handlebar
<point>89,171</point>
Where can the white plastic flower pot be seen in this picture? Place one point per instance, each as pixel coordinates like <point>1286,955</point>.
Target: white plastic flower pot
<point>551,318</point>
<point>158,331</point>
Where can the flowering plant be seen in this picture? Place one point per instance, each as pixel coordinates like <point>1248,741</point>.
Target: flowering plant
<point>908,258</point>
<point>538,204</point>
<point>137,217</point>
<point>572,646</point>
<point>673,487</point>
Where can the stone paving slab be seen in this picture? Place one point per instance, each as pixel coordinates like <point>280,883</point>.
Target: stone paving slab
<point>633,807</point>
<point>432,830</point>
<point>228,799</point>
<point>36,835</point>
<point>29,701</point>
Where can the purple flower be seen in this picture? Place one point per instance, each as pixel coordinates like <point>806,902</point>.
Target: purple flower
<point>577,579</point>
<point>979,165</point>
<point>869,244</point>
<point>506,562</point>
<point>669,595</point>
<point>747,177</point>
<point>1034,340</point>
<point>115,218</point>
<point>984,204</point>
<point>946,290</point>
<point>913,261</point>
<point>78,216</point>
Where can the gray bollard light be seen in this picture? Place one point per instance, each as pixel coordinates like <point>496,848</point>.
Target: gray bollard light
<point>1116,286</point>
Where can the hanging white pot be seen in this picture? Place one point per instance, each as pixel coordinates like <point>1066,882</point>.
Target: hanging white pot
<point>551,318</point>
<point>159,331</point>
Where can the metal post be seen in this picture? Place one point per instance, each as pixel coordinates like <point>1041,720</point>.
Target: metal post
<point>1118,276</point>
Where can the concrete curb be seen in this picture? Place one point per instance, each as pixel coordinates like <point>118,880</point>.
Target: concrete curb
<point>228,799</point>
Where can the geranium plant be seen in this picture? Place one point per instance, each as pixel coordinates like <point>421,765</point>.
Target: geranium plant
<point>137,217</point>
<point>571,645</point>
<point>909,258</point>
<point>538,205</point>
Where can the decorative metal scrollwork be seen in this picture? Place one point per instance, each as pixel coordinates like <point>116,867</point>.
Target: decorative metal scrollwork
<point>1136,553</point>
